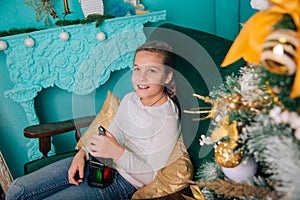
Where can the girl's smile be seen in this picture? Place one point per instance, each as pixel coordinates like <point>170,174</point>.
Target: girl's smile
<point>142,87</point>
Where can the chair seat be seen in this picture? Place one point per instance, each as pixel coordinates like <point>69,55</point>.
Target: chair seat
<point>39,163</point>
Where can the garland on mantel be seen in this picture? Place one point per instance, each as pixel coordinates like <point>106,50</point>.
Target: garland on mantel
<point>15,31</point>
<point>99,19</point>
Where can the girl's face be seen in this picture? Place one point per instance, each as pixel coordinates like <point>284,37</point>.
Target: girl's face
<point>149,76</point>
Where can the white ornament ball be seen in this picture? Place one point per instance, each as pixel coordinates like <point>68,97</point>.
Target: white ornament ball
<point>260,4</point>
<point>29,42</point>
<point>100,36</point>
<point>297,133</point>
<point>64,35</point>
<point>3,45</point>
<point>241,173</point>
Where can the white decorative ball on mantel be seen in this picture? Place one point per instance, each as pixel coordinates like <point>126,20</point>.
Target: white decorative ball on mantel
<point>3,45</point>
<point>29,42</point>
<point>100,36</point>
<point>64,35</point>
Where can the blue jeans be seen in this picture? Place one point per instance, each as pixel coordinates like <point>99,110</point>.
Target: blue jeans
<point>51,182</point>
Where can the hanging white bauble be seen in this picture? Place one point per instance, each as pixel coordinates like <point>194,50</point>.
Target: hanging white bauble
<point>29,42</point>
<point>3,45</point>
<point>241,173</point>
<point>64,35</point>
<point>100,36</point>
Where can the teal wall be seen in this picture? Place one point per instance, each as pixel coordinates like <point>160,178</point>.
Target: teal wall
<point>220,17</point>
<point>54,104</point>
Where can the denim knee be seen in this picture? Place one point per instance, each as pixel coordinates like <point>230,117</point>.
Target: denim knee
<point>14,191</point>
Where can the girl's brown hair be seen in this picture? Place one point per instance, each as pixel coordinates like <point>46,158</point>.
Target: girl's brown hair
<point>169,60</point>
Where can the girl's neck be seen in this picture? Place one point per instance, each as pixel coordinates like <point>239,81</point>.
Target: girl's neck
<point>159,100</point>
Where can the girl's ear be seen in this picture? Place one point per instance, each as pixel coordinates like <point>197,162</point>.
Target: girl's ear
<point>169,77</point>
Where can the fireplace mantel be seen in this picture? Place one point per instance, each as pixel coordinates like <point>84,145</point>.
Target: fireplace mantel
<point>79,64</point>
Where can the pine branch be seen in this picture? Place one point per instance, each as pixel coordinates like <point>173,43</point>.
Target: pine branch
<point>233,189</point>
<point>277,152</point>
<point>286,22</point>
<point>99,19</point>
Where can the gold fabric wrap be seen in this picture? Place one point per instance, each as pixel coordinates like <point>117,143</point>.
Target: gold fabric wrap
<point>172,178</point>
<point>103,118</point>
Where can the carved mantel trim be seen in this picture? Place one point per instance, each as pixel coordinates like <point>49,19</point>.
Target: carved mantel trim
<point>78,65</point>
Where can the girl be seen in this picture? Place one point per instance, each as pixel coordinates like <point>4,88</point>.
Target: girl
<point>139,140</point>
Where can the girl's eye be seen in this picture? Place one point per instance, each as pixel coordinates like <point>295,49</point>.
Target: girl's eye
<point>136,69</point>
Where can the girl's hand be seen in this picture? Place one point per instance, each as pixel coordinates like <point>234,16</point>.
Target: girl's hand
<point>76,170</point>
<point>106,146</point>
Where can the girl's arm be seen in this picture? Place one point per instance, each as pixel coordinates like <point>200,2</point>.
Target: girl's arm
<point>76,170</point>
<point>108,147</point>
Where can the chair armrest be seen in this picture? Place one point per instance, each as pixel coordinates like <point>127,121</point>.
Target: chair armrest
<point>55,128</point>
<point>45,131</point>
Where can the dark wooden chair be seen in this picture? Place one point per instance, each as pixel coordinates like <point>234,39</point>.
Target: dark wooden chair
<point>44,132</point>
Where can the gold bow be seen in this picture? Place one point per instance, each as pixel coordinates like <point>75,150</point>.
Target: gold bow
<point>248,44</point>
<point>226,129</point>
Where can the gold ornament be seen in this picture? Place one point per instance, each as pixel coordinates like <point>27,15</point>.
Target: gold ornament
<point>234,102</point>
<point>239,102</point>
<point>248,44</point>
<point>225,155</point>
<point>226,129</point>
<point>230,102</point>
<point>279,52</point>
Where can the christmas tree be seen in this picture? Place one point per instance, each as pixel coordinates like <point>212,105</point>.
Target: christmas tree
<point>256,114</point>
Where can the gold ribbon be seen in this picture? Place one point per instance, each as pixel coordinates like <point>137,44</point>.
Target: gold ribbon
<point>226,129</point>
<point>248,44</point>
<point>197,194</point>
